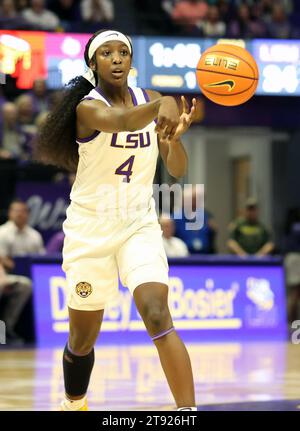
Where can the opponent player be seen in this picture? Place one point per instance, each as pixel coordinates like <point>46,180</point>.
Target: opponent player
<point>111,126</point>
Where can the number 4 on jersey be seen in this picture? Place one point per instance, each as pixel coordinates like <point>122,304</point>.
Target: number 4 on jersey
<point>127,172</point>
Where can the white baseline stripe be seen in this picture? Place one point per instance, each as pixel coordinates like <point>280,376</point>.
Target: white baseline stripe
<point>137,325</point>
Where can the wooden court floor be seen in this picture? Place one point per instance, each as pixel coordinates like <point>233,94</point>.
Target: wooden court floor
<point>129,377</point>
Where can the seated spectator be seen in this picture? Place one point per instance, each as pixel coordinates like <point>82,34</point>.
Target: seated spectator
<point>189,13</point>
<point>56,242</point>
<point>173,246</point>
<point>39,96</point>
<point>248,236</point>
<point>17,238</point>
<point>12,138</point>
<point>279,27</point>
<point>39,17</point>
<point>97,11</point>
<point>200,240</point>
<point>212,26</point>
<point>16,290</point>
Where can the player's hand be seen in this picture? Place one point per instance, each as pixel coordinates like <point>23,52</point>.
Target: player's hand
<point>186,118</point>
<point>168,118</point>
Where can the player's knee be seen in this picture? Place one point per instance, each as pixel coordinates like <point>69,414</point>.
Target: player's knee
<point>157,318</point>
<point>81,345</point>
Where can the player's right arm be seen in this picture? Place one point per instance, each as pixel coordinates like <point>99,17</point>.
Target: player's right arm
<point>96,115</point>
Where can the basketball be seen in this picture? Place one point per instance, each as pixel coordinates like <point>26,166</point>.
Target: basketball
<point>227,74</point>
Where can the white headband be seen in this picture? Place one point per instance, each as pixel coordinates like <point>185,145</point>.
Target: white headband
<point>105,36</point>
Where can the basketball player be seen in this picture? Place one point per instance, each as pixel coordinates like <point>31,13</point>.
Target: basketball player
<point>112,128</point>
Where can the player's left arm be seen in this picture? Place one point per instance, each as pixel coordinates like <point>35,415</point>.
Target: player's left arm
<point>173,152</point>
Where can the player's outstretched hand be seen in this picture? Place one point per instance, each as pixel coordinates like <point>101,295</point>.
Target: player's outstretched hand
<point>186,118</point>
<point>168,118</point>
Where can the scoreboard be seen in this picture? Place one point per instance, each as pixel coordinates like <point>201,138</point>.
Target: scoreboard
<point>162,63</point>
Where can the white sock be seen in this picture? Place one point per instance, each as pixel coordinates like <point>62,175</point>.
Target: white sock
<point>72,404</point>
<point>193,409</point>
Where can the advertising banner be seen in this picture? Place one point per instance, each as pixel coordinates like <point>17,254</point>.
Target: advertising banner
<point>205,301</point>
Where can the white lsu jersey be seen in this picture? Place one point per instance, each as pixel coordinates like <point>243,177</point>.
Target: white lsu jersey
<point>116,170</point>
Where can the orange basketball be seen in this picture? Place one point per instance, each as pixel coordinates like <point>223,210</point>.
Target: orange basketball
<point>227,74</point>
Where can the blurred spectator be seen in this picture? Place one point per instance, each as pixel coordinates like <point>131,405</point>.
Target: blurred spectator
<point>10,17</point>
<point>279,27</point>
<point>154,17</point>
<point>24,104</point>
<point>226,10</point>
<point>243,26</point>
<point>16,290</point>
<point>97,11</point>
<point>40,17</point>
<point>291,248</point>
<point>39,96</point>
<point>66,10</point>
<point>55,243</point>
<point>26,122</point>
<point>267,6</point>
<point>259,26</point>
<point>200,240</point>
<point>32,137</point>
<point>12,139</point>
<point>212,26</point>
<point>17,238</point>
<point>189,13</point>
<point>248,236</point>
<point>173,246</point>
<point>8,10</point>
<point>168,5</point>
<point>21,4</point>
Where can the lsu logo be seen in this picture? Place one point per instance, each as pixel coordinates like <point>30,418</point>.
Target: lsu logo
<point>83,289</point>
<point>260,293</point>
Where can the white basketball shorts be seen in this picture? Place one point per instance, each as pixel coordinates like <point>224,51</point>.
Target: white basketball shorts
<point>99,249</point>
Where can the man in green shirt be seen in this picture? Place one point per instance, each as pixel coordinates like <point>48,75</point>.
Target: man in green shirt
<point>248,236</point>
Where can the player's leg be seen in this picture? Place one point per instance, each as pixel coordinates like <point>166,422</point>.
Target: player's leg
<point>152,303</point>
<point>78,357</point>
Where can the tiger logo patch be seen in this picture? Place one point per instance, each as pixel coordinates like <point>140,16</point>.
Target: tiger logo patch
<point>83,289</point>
